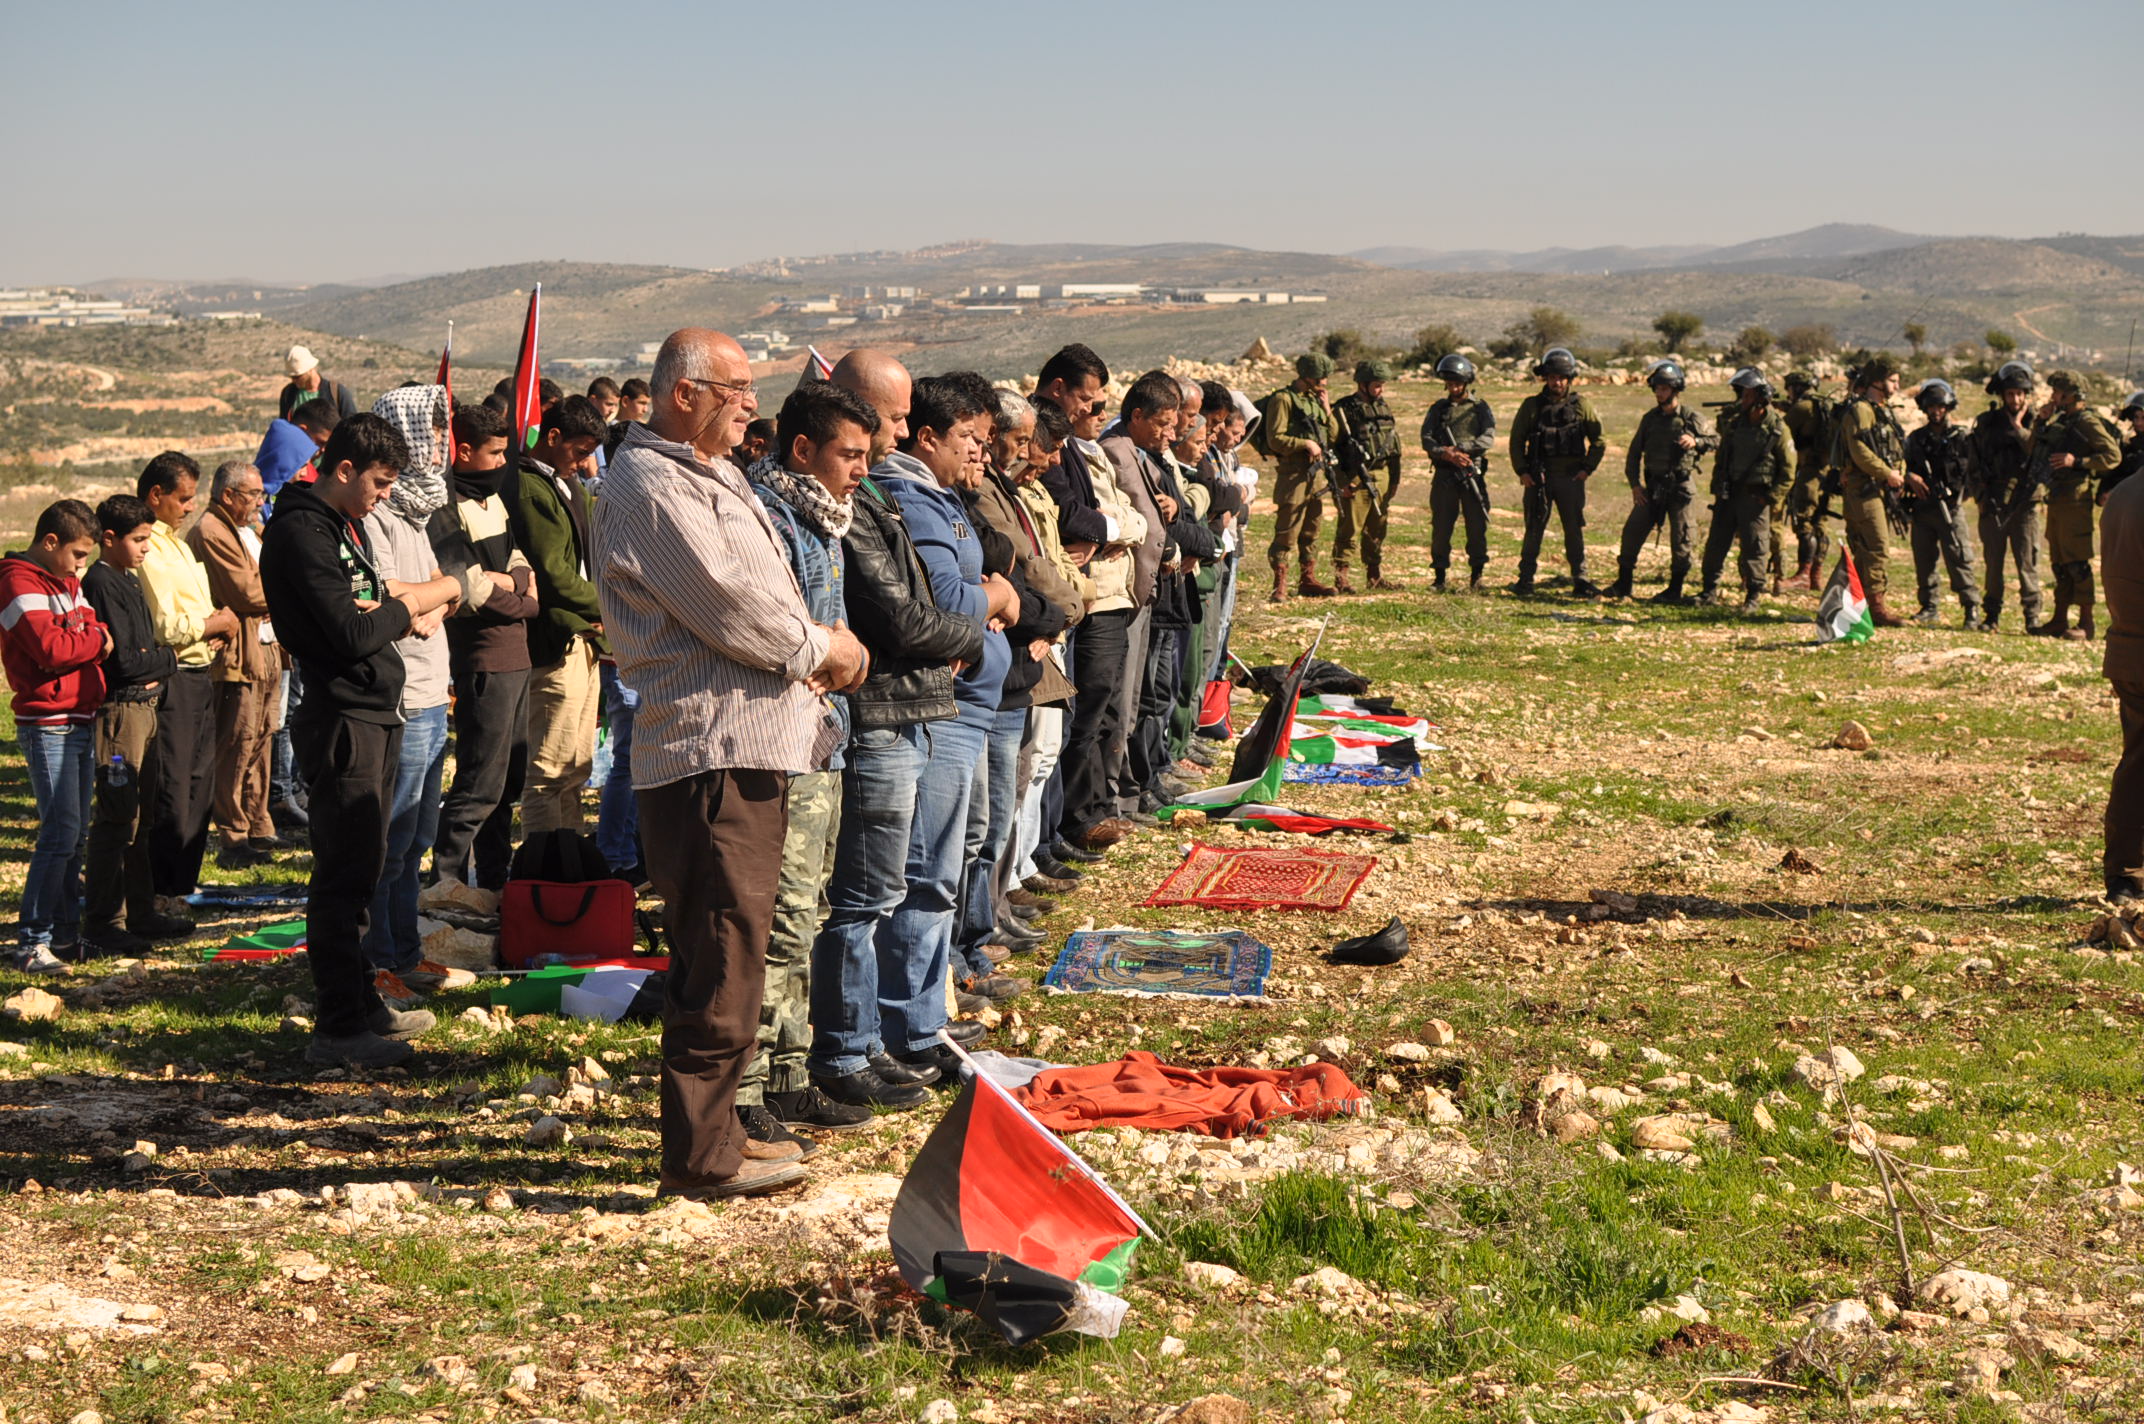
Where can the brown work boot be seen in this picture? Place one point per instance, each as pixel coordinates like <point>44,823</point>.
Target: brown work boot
<point>1778,586</point>
<point>1280,584</point>
<point>1816,575</point>
<point>2082,632</point>
<point>2055,627</point>
<point>1801,575</point>
<point>750,1180</point>
<point>1308,586</point>
<point>1341,582</point>
<point>1882,616</point>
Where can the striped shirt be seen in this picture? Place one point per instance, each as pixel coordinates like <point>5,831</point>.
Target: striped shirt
<point>705,619</point>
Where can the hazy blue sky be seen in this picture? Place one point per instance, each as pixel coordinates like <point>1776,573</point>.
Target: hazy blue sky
<point>162,139</point>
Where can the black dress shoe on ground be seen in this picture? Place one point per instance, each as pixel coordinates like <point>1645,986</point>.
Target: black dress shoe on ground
<point>270,845</point>
<point>110,942</point>
<point>963,1032</point>
<point>966,1003</point>
<point>1058,870</point>
<point>944,1059</point>
<point>1387,946</point>
<point>1018,936</point>
<point>239,857</point>
<point>996,987</point>
<point>866,1089</point>
<point>766,1129</point>
<point>1071,854</point>
<point>158,926</point>
<point>1040,884</point>
<point>901,1074</point>
<point>809,1108</point>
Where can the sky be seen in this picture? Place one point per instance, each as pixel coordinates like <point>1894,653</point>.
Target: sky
<point>309,143</point>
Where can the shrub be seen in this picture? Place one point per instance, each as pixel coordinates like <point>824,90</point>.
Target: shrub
<point>1676,327</point>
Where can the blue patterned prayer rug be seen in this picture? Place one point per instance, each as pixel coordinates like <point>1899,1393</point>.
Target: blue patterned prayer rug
<point>1228,964</point>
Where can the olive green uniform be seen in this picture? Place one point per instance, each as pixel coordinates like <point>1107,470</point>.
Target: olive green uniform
<point>799,906</point>
<point>1369,454</point>
<point>1292,420</point>
<point>2081,434</point>
<point>1750,475</point>
<point>1875,451</point>
<point>1557,444</point>
<point>1467,425</point>
<point>1942,458</point>
<point>2009,521</point>
<point>1666,473</point>
<point>1808,422</point>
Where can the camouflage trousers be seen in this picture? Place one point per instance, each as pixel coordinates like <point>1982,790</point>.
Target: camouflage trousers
<point>1362,509</point>
<point>1812,543</point>
<point>2069,544</point>
<point>1937,536</point>
<point>799,906</point>
<point>2018,541</point>
<point>1745,518</point>
<point>1298,509</point>
<point>1866,533</point>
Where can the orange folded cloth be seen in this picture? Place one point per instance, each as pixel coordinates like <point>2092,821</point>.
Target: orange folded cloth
<point>1139,1090</point>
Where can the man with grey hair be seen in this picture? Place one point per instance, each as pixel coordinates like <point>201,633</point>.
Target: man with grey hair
<point>247,669</point>
<point>708,625</point>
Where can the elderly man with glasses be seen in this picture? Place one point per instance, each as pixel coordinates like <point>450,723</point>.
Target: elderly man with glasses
<point>248,668</point>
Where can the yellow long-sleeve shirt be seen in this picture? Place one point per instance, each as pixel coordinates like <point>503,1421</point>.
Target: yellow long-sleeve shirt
<point>176,585</point>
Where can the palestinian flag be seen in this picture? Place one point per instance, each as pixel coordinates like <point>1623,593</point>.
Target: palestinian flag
<point>446,372</point>
<point>1842,616</point>
<point>268,942</point>
<point>527,406</point>
<point>816,367</point>
<point>1000,1218</point>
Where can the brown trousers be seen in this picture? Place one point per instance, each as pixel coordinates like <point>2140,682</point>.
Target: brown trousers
<point>245,745</point>
<point>2125,798</point>
<point>717,865</point>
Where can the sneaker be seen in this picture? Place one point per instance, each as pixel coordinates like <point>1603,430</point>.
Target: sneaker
<point>159,925</point>
<point>938,1056</point>
<point>1926,618</point>
<point>1070,854</point>
<point>901,1074</point>
<point>391,1022</point>
<point>752,1179</point>
<point>357,1050</point>
<point>996,987</point>
<point>430,976</point>
<point>772,1141</point>
<point>866,1089</point>
<point>38,959</point>
<point>392,991</point>
<point>808,1107</point>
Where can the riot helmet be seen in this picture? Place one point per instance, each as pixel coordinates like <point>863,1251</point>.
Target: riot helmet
<point>1556,361</point>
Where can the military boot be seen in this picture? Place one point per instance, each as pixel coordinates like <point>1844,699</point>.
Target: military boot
<point>1308,585</point>
<point>1803,575</point>
<point>1377,580</point>
<point>1438,586</point>
<point>1474,579</point>
<point>1621,587</point>
<point>1709,596</point>
<point>1927,617</point>
<point>1341,582</point>
<point>1583,587</point>
<point>1752,604</point>
<point>2085,600</point>
<point>1974,622</point>
<point>1673,592</point>
<point>1989,613</point>
<point>1881,615</point>
<point>2057,626</point>
<point>1816,574</point>
<point>1280,583</point>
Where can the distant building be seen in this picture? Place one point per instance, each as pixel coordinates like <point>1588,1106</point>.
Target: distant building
<point>827,321</point>
<point>990,309</point>
<point>771,339</point>
<point>1094,291</point>
<point>64,306</point>
<point>811,306</point>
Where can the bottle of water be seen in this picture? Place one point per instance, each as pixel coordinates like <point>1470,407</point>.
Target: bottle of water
<point>118,774</point>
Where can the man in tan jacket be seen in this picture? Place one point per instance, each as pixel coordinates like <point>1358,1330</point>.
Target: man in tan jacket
<point>248,669</point>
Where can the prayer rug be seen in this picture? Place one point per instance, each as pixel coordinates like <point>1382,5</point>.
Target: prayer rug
<point>1225,965</point>
<point>247,897</point>
<point>1259,879</point>
<point>1304,773</point>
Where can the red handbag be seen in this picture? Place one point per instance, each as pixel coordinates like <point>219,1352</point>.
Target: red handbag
<point>574,920</point>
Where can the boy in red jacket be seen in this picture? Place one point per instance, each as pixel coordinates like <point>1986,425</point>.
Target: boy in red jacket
<point>52,644</point>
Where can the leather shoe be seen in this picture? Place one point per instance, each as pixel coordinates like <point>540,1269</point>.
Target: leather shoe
<point>1071,854</point>
<point>966,1003</point>
<point>901,1074</point>
<point>938,1056</point>
<point>1039,884</point>
<point>1055,869</point>
<point>1103,834</point>
<point>866,1089</point>
<point>1025,913</point>
<point>993,987</point>
<point>1019,936</point>
<point>996,953</point>
<point>1027,899</point>
<point>962,1032</point>
<point>1387,946</point>
<point>1141,820</point>
<point>749,1180</point>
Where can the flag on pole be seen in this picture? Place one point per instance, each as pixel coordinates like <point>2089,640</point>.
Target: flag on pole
<point>528,381</point>
<point>1000,1218</point>
<point>1842,616</point>
<point>816,367</point>
<point>446,364</point>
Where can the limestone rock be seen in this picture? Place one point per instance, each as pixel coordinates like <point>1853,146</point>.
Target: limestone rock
<point>1408,1052</point>
<point>342,1364</point>
<point>1208,1409</point>
<point>1439,1034</point>
<point>1210,1275</point>
<point>1962,1290</point>
<point>1853,737</point>
<point>1660,1134</point>
<point>2030,1342</point>
<point>1844,1317</point>
<point>32,1005</point>
<point>549,1131</point>
<point>1574,1127</point>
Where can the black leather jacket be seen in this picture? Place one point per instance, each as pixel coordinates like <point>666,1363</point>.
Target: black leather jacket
<point>911,639</point>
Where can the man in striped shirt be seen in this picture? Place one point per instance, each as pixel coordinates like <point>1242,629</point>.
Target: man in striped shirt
<point>707,624</point>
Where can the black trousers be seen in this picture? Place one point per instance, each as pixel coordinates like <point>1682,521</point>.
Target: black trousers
<point>350,768</point>
<point>1097,719</point>
<point>2124,853</point>
<point>1157,699</point>
<point>183,791</point>
<point>491,761</point>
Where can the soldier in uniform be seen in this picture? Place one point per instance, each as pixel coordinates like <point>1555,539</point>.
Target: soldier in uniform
<point>1662,469</point>
<point>1297,429</point>
<point>1939,470</point>
<point>1458,433</point>
<point>1808,416</point>
<point>1875,448</point>
<point>2006,493</point>
<point>2132,447</point>
<point>1749,476</point>
<point>2072,447</point>
<point>1369,452</point>
<point>1556,446</point>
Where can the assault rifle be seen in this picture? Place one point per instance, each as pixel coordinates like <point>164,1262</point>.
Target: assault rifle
<point>1473,488</point>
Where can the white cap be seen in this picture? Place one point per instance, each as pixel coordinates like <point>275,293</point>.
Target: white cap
<point>297,361</point>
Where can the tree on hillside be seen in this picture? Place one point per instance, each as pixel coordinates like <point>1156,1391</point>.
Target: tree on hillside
<point>1916,335</point>
<point>1433,343</point>
<point>1346,346</point>
<point>1542,328</point>
<point>1751,345</point>
<point>1676,327</point>
<point>2001,342</point>
<point>1807,342</point>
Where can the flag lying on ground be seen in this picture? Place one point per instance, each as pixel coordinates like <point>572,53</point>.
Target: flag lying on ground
<point>528,380</point>
<point>998,1217</point>
<point>1842,615</point>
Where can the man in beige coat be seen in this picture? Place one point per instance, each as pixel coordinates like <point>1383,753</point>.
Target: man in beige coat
<point>248,669</point>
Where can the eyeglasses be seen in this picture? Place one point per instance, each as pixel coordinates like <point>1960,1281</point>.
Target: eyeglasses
<point>734,388</point>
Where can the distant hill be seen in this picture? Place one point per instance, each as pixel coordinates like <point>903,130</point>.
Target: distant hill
<point>1956,266</point>
<point>1826,241</point>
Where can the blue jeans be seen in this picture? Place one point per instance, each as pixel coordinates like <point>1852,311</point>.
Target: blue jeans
<point>916,941</point>
<point>617,813</point>
<point>61,774</point>
<point>878,810</point>
<point>391,938</point>
<point>992,803</point>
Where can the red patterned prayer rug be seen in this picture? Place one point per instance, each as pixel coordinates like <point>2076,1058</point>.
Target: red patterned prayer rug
<point>1258,879</point>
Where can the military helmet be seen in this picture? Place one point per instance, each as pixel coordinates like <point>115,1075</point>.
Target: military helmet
<point>2065,381</point>
<point>1749,378</point>
<point>1556,361</point>
<point>1935,392</point>
<point>1876,368</point>
<point>1368,371</point>
<point>2011,376</point>
<point>1666,373</point>
<point>1797,381</point>
<point>1455,367</point>
<point>1313,365</point>
<point>2134,404</point>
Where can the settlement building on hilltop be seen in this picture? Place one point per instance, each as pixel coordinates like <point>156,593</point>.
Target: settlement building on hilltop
<point>64,306</point>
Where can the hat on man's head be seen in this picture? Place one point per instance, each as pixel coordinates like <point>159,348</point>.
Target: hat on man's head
<point>1313,365</point>
<point>298,360</point>
<point>1368,371</point>
<point>2065,381</point>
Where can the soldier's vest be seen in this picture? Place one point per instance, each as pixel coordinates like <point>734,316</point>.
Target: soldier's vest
<point>1885,438</point>
<point>1823,422</point>
<point>1747,464</point>
<point>1372,434</point>
<point>1559,431</point>
<point>2058,435</point>
<point>2001,463</point>
<point>1451,421</point>
<point>1949,463</point>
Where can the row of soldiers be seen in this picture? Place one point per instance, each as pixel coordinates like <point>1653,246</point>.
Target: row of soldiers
<point>1775,465</point>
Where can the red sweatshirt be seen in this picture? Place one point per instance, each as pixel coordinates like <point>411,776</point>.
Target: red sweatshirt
<point>51,644</point>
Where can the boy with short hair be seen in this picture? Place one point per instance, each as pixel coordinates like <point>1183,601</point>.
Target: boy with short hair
<point>119,914</point>
<point>52,645</point>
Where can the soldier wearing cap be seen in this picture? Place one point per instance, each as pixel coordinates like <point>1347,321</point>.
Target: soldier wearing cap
<point>2132,446</point>
<point>1939,470</point>
<point>1297,430</point>
<point>1875,447</point>
<point>1662,469</point>
<point>1458,432</point>
<point>1556,446</point>
<point>1369,453</point>
<point>2007,495</point>
<point>1808,415</point>
<point>2072,447</point>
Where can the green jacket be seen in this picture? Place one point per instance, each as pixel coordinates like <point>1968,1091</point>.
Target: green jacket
<point>1556,437</point>
<point>1657,457</point>
<point>1290,420</point>
<point>552,532</point>
<point>1467,424</point>
<point>1753,459</point>
<point>2081,433</point>
<point>1875,445</point>
<point>1808,423</point>
<point>1369,438</point>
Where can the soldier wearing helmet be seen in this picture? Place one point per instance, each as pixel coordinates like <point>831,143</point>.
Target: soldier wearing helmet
<point>1750,475</point>
<point>1939,470</point>
<point>2008,496</point>
<point>1296,428</point>
<point>1875,467</point>
<point>1556,446</point>
<point>1369,451</point>
<point>1808,414</point>
<point>1662,469</point>
<point>1458,433</point>
<point>2071,448</point>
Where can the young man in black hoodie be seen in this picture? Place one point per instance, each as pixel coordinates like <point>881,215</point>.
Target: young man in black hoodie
<point>340,619</point>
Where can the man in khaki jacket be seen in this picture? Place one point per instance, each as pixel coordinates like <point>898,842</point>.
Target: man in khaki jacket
<point>247,670</point>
